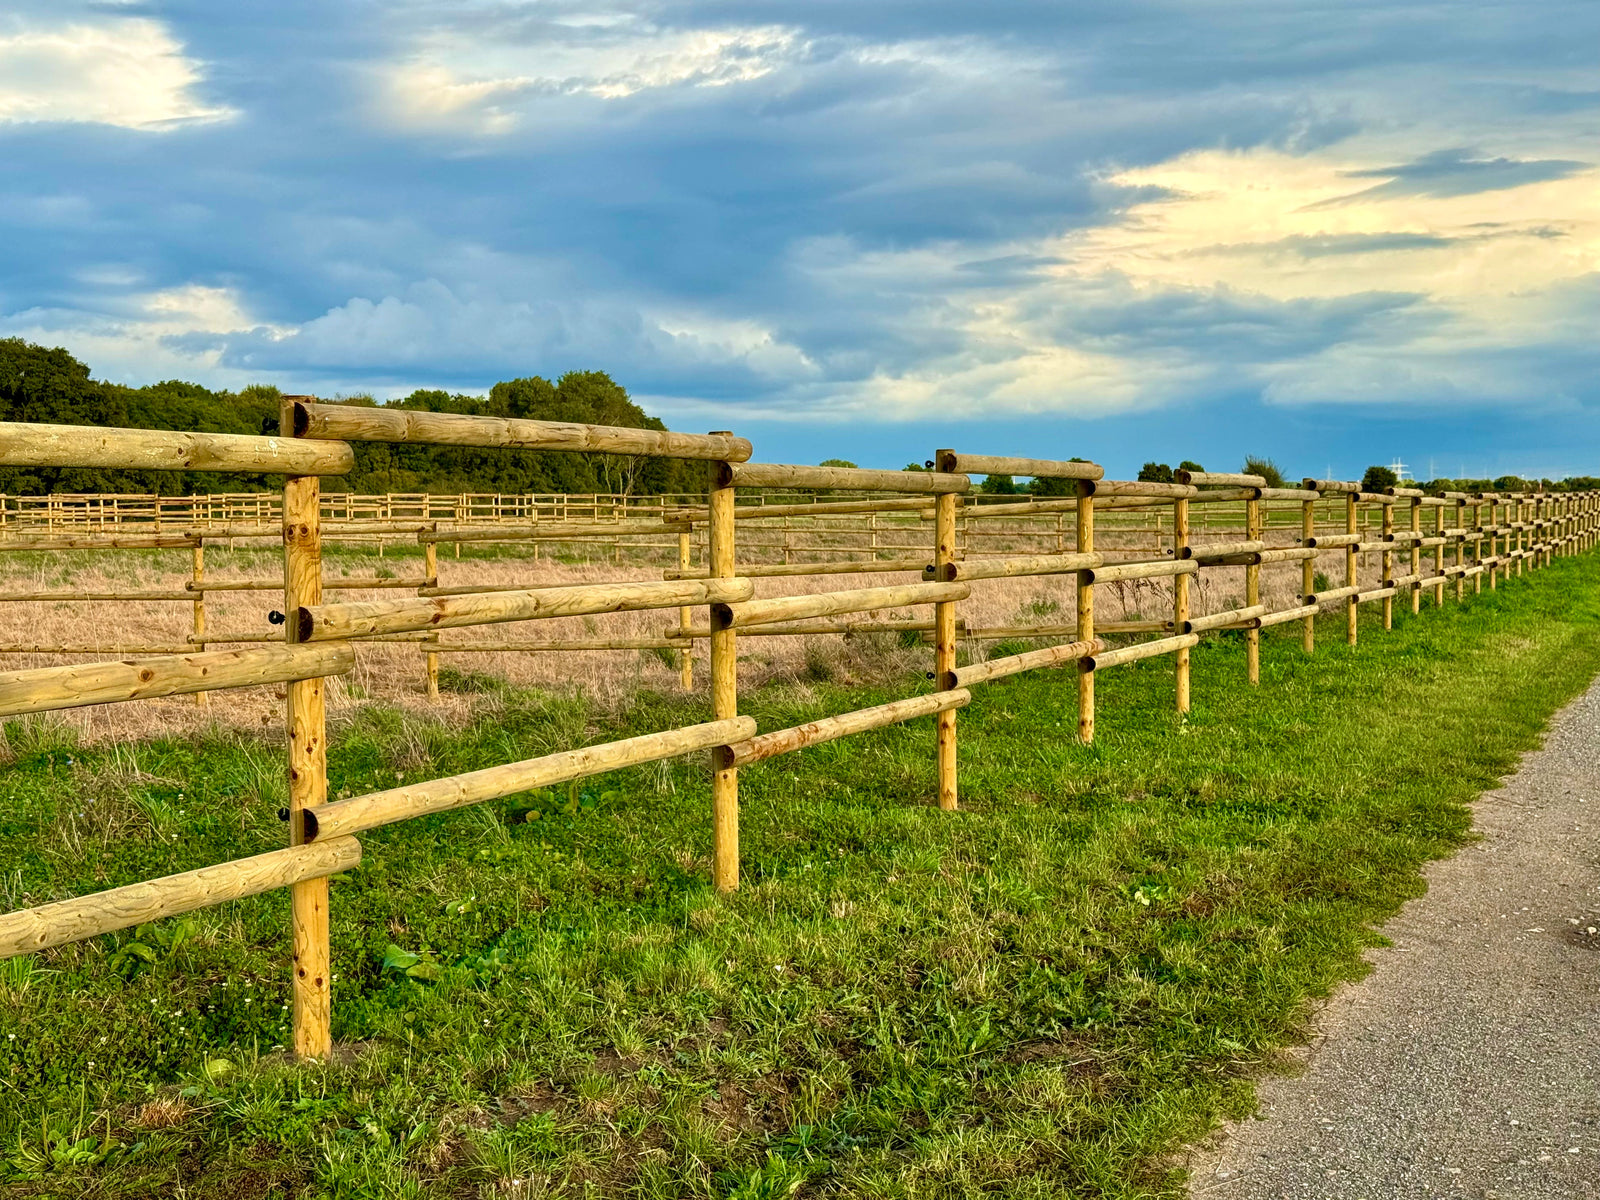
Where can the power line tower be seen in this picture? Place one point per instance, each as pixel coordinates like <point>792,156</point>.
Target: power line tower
<point>1399,468</point>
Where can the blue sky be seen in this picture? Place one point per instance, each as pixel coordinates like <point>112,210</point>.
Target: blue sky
<point>1334,234</point>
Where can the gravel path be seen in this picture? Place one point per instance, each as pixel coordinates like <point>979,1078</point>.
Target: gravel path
<point>1468,1062</point>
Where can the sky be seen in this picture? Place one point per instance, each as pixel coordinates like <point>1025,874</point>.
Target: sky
<point>1334,234</point>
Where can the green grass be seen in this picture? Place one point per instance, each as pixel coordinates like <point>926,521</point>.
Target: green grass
<point>1042,995</point>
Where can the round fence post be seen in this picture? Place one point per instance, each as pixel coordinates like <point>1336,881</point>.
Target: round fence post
<point>944,624</point>
<point>308,774</point>
<point>198,574</point>
<point>1180,604</point>
<point>1350,569</point>
<point>430,579</point>
<point>1252,591</point>
<point>724,694</point>
<point>1388,564</point>
<point>685,622</point>
<point>306,720</point>
<point>1308,574</point>
<point>1085,613</point>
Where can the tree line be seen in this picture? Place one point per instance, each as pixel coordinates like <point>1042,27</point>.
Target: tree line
<point>50,386</point>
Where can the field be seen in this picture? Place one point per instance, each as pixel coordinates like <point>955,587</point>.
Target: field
<point>393,673</point>
<point>1047,993</point>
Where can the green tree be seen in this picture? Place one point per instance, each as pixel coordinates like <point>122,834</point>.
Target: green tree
<point>1051,485</point>
<point>1265,468</point>
<point>998,485</point>
<point>1190,465</point>
<point>1377,479</point>
<point>1154,472</point>
<point>837,462</point>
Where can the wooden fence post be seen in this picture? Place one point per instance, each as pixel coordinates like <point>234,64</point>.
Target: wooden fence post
<point>1085,613</point>
<point>1461,546</point>
<point>1494,541</point>
<point>1416,554</point>
<point>1252,592</point>
<point>1388,565</point>
<point>1350,569</point>
<point>1308,574</point>
<point>308,773</point>
<point>430,578</point>
<point>198,574</point>
<point>1180,602</point>
<point>1477,545</point>
<point>1438,556</point>
<point>724,696</point>
<point>944,627</point>
<point>686,655</point>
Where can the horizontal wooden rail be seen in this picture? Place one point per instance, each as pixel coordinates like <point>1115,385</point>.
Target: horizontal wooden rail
<point>44,597</point>
<point>816,628</point>
<point>55,924</point>
<point>827,729</point>
<point>1328,597</point>
<point>1028,660</point>
<point>555,532</point>
<point>677,643</point>
<point>858,479</point>
<point>998,633</point>
<point>785,570</point>
<point>121,541</point>
<point>1286,554</point>
<point>1284,616</point>
<point>1220,549</point>
<point>166,450</point>
<point>1140,570</point>
<point>492,783</point>
<point>359,424</point>
<point>822,508</point>
<point>88,648</point>
<point>44,689</point>
<point>1213,478</point>
<point>1330,485</point>
<point>1012,567</point>
<point>799,608</point>
<point>1128,654</point>
<point>1240,617</point>
<point>327,622</point>
<point>1034,468</point>
<point>276,585</point>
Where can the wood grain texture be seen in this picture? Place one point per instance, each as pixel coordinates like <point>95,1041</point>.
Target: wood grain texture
<point>45,689</point>
<point>63,921</point>
<point>23,445</point>
<point>454,429</point>
<point>340,621</point>
<point>346,817</point>
<point>827,729</point>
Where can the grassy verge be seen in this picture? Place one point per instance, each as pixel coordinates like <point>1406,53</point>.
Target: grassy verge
<point>1042,995</point>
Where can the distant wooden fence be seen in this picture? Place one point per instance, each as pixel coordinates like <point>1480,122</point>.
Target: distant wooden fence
<point>1472,537</point>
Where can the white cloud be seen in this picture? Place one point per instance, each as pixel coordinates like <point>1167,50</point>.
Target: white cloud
<point>483,82</point>
<point>137,338</point>
<point>129,72</point>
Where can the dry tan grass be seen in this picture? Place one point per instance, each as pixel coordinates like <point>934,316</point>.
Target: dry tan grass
<point>392,673</point>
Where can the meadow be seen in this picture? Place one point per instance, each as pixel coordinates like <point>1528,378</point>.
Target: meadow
<point>1047,993</point>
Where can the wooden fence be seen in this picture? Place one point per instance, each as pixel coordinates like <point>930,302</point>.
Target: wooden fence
<point>1471,537</point>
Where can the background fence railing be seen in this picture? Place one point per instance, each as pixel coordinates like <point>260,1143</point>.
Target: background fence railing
<point>925,525</point>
